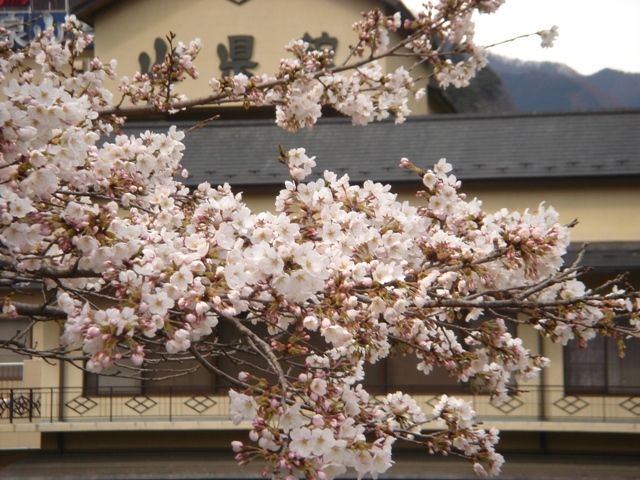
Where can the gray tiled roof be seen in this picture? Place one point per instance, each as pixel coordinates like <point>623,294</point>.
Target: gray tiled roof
<point>499,147</point>
<point>612,256</point>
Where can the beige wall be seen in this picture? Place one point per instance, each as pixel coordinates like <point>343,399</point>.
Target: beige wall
<point>606,211</point>
<point>125,30</point>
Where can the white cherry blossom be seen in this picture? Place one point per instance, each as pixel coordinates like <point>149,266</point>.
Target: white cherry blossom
<point>136,266</point>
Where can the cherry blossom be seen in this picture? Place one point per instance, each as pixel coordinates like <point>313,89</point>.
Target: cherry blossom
<point>137,266</point>
<point>548,37</point>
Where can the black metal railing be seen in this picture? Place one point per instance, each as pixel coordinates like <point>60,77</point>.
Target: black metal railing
<point>122,404</point>
<point>71,404</point>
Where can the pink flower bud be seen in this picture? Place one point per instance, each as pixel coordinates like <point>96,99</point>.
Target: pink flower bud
<point>318,421</point>
<point>237,446</point>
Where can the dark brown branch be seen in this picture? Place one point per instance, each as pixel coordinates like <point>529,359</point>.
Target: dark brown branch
<point>49,271</point>
<point>207,365</point>
<point>39,312</point>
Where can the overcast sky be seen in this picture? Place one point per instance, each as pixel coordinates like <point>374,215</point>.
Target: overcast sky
<point>594,34</point>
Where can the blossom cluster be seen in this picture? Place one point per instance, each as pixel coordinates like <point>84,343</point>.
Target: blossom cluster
<point>548,37</point>
<point>338,276</point>
<point>441,36</point>
<point>158,88</point>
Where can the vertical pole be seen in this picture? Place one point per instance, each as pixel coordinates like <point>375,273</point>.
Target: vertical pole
<point>11,405</point>
<point>60,396</point>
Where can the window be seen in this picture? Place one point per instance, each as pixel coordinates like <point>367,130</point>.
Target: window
<point>14,329</point>
<point>401,373</point>
<point>163,378</point>
<point>599,368</point>
<point>11,367</point>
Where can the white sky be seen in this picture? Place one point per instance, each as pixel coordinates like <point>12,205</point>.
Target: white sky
<point>594,34</point>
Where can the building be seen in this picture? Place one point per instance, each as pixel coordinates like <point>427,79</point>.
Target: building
<point>586,164</point>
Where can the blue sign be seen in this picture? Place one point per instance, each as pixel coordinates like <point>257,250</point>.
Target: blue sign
<point>23,27</point>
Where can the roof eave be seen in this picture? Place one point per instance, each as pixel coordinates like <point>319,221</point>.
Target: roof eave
<point>86,10</point>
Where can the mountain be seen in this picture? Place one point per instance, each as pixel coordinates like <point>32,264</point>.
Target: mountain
<point>540,86</point>
<point>625,85</point>
<point>486,93</point>
<point>515,66</point>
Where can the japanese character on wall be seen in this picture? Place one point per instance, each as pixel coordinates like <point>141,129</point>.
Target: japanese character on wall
<point>15,25</point>
<point>22,27</point>
<point>323,42</point>
<point>237,57</point>
<point>161,49</point>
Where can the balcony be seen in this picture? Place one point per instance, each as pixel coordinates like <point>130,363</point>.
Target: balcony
<point>112,408</point>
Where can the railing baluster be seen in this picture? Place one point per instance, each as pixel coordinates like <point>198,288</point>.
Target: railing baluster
<point>61,404</point>
<point>11,406</point>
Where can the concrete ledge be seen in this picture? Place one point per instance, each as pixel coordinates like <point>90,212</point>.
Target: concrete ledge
<point>185,425</point>
<point>25,427</point>
<point>565,426</point>
<point>19,440</point>
<point>137,425</point>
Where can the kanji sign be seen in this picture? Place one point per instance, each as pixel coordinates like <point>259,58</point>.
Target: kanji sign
<point>238,56</point>
<point>22,27</point>
<point>323,42</point>
<point>161,49</point>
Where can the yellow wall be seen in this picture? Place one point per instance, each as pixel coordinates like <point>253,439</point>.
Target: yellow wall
<point>605,211</point>
<point>126,29</point>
